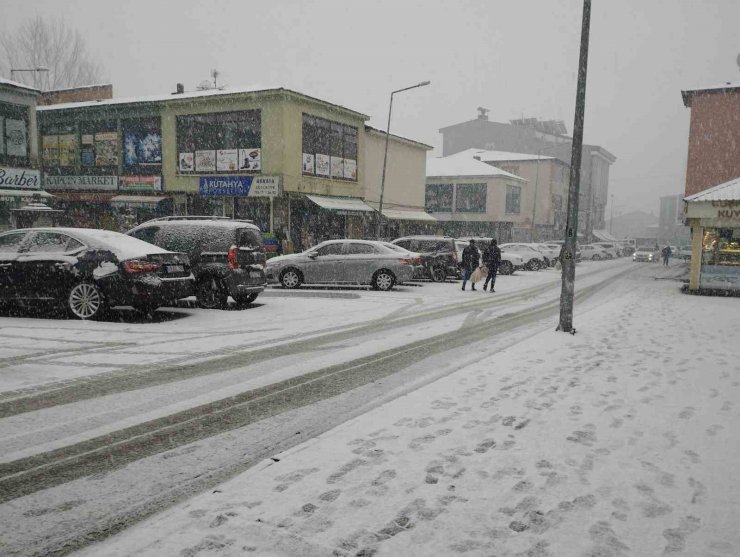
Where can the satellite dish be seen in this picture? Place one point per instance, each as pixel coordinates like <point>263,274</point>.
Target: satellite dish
<point>204,85</point>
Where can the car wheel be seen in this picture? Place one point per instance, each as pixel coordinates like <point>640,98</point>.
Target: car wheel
<point>383,280</point>
<point>533,265</point>
<point>85,301</point>
<point>211,293</point>
<point>245,300</point>
<point>506,268</point>
<point>291,278</point>
<point>437,273</point>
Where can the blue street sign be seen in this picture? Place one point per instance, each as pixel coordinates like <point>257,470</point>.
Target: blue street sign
<point>232,186</point>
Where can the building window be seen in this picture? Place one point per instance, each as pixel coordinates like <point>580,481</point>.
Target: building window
<point>438,198</point>
<point>513,199</point>
<point>329,149</point>
<point>142,146</point>
<point>14,140</point>
<point>59,153</point>
<point>471,198</point>
<point>220,142</point>
<point>98,150</point>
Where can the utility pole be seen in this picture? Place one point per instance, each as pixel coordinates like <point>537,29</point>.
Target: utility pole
<point>571,228</point>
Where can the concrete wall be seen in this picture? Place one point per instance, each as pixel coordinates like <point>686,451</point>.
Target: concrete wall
<point>714,140</point>
<point>405,176</point>
<point>77,94</point>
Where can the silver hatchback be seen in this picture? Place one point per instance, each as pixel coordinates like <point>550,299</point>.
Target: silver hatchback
<point>342,262</point>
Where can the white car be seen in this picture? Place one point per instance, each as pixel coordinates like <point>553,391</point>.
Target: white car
<point>551,253</point>
<point>510,262</point>
<point>613,251</point>
<point>533,260</point>
<point>592,252</point>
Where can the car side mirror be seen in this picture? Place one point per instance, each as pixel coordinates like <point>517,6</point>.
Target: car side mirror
<point>313,254</point>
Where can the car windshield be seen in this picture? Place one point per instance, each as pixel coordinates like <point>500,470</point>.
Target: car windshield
<point>240,312</point>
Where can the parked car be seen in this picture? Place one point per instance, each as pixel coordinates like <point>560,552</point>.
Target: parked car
<point>533,260</point>
<point>438,255</point>
<point>684,252</point>
<point>594,252</point>
<point>646,254</point>
<point>226,255</point>
<point>89,270</point>
<point>343,262</point>
<point>558,245</point>
<point>509,261</point>
<point>550,254</point>
<point>613,251</point>
<point>415,258</point>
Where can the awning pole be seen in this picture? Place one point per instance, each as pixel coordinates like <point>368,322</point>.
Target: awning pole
<point>272,215</point>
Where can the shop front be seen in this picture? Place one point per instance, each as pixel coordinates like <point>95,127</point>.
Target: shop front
<point>316,218</point>
<point>714,218</point>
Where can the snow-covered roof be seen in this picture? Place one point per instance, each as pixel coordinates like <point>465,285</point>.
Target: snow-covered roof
<point>728,191</point>
<point>123,246</point>
<point>399,137</point>
<point>4,81</point>
<point>485,155</point>
<point>687,94</point>
<point>188,95</point>
<point>463,164</point>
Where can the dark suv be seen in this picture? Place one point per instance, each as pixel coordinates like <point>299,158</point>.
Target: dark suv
<point>438,255</point>
<point>226,255</point>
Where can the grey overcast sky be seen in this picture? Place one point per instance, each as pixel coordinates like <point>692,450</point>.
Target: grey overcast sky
<point>515,57</point>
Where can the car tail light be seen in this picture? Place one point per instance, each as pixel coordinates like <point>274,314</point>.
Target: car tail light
<point>141,266</point>
<point>232,257</point>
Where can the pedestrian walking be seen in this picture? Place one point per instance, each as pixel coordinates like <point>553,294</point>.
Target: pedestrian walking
<point>667,251</point>
<point>492,260</point>
<point>470,260</point>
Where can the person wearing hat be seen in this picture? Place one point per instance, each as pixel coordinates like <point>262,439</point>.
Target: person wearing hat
<point>470,260</point>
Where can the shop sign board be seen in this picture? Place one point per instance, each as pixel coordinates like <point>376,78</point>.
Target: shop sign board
<point>239,186</point>
<point>21,178</point>
<point>140,183</point>
<point>106,183</point>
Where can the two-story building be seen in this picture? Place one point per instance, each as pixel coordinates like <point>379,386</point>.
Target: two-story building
<point>293,163</point>
<point>713,187</point>
<point>471,198</point>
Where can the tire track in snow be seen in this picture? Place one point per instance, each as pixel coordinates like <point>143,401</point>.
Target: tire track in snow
<point>115,450</point>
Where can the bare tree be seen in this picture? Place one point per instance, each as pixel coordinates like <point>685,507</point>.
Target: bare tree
<point>48,43</point>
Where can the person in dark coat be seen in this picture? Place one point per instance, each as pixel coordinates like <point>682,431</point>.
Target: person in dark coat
<point>492,260</point>
<point>470,261</point>
<point>667,251</point>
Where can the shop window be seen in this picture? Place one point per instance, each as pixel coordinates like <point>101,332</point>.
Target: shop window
<point>513,199</point>
<point>223,142</point>
<point>329,149</point>
<point>14,134</point>
<point>142,146</point>
<point>59,149</point>
<point>98,148</point>
<point>438,198</point>
<point>471,198</point>
<point>721,246</point>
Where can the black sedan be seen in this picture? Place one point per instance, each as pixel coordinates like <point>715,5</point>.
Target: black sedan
<point>90,270</point>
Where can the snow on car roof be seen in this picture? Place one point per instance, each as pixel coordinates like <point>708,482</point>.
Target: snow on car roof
<point>124,247</point>
<point>196,223</point>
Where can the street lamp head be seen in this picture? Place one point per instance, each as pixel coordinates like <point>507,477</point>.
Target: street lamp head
<point>423,83</point>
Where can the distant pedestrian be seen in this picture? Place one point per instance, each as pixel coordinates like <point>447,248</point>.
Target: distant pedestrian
<point>470,260</point>
<point>667,251</point>
<point>492,260</point>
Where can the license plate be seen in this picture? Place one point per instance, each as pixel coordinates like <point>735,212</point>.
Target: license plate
<point>175,268</point>
<point>255,274</point>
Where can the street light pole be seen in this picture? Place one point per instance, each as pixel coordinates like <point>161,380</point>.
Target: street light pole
<point>534,201</point>
<point>611,218</point>
<point>385,156</point>
<point>571,229</point>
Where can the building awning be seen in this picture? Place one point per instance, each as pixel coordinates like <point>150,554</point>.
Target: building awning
<point>84,196</point>
<point>402,214</point>
<point>25,193</point>
<point>340,203</point>
<point>604,236</point>
<point>136,200</point>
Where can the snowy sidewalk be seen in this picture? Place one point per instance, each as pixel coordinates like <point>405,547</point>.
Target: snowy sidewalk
<point>620,440</point>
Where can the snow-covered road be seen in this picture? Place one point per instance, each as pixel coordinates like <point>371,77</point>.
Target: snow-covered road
<point>296,333</point>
